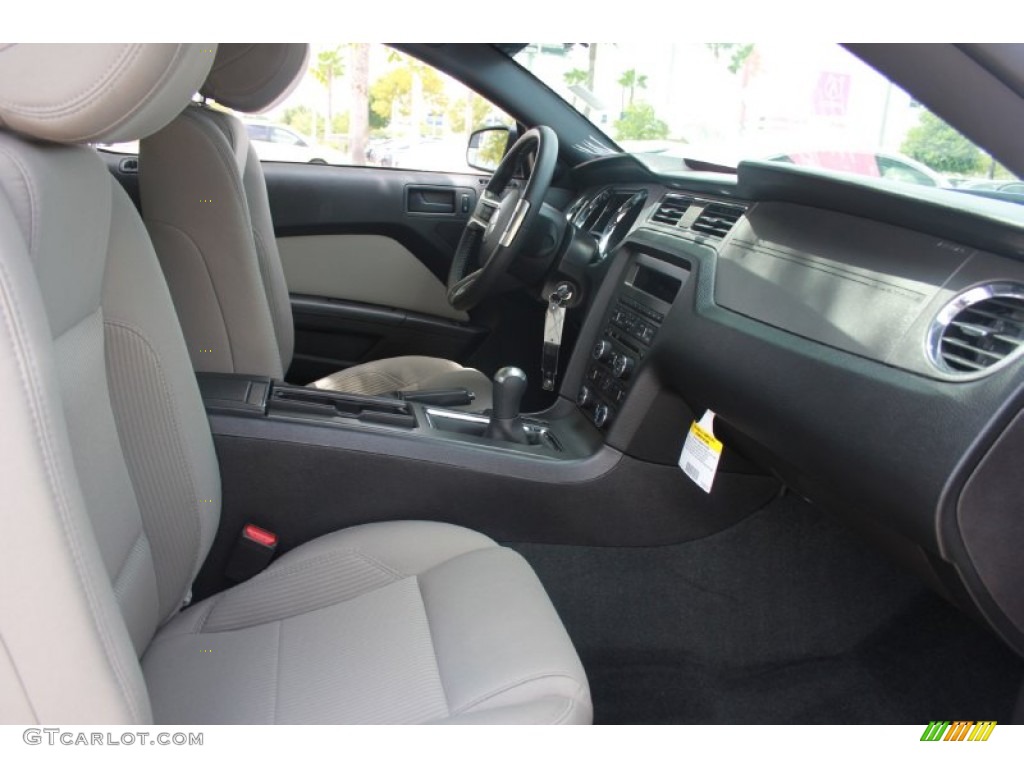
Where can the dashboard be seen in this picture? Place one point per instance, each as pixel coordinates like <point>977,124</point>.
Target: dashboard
<point>859,340</point>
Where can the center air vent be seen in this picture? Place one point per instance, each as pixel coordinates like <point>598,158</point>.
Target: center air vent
<point>979,329</point>
<point>717,219</point>
<point>672,209</point>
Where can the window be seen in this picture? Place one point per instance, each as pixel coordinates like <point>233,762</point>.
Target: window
<point>809,103</point>
<point>413,116</point>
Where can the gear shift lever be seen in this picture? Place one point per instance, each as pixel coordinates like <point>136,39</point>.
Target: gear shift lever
<point>505,424</point>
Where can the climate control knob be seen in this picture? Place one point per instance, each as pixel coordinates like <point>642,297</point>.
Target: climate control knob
<point>585,398</point>
<point>601,414</point>
<point>603,350</point>
<point>622,366</point>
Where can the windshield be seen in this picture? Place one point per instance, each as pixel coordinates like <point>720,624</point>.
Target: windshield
<point>720,103</point>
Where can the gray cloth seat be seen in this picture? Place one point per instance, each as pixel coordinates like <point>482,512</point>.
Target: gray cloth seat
<point>221,258</point>
<point>111,490</point>
<point>455,619</point>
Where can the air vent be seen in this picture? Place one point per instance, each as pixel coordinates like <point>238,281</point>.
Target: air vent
<point>672,209</point>
<point>576,207</point>
<point>979,329</point>
<point>717,219</point>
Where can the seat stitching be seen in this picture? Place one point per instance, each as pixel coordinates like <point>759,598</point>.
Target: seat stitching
<point>85,97</point>
<point>109,81</point>
<point>228,159</point>
<point>291,570</point>
<point>33,202</point>
<point>28,372</point>
<point>326,556</point>
<point>17,675</point>
<point>162,636</point>
<point>183,456</point>
<point>213,284</point>
<point>569,707</point>
<point>509,686</point>
<point>433,648</point>
<point>268,290</point>
<point>192,115</point>
<point>128,556</point>
<point>277,672</point>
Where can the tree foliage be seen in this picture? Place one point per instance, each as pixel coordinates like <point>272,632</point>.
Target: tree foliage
<point>576,77</point>
<point>300,118</point>
<point>631,80</point>
<point>942,148</point>
<point>457,114</point>
<point>329,67</point>
<point>738,53</point>
<point>392,92</point>
<point>638,121</point>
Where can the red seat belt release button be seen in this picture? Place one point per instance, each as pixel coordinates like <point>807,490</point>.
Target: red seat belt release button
<point>253,552</point>
<point>260,535</point>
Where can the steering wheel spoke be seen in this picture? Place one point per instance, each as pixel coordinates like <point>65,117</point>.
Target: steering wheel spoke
<point>485,207</point>
<point>502,213</point>
<point>508,237</point>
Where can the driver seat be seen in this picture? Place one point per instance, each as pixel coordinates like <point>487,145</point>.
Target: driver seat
<point>221,261</point>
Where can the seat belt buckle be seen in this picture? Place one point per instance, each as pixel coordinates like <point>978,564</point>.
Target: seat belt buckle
<point>252,554</point>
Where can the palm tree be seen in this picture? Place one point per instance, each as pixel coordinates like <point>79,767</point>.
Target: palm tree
<point>575,77</point>
<point>631,80</point>
<point>329,66</point>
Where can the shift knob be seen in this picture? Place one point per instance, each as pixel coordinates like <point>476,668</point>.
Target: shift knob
<point>509,388</point>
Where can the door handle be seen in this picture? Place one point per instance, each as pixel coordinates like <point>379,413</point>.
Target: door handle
<point>430,200</point>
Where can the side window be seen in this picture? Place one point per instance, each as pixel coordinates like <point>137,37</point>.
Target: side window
<point>367,104</point>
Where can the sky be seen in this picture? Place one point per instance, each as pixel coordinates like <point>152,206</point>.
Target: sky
<point>447,21</point>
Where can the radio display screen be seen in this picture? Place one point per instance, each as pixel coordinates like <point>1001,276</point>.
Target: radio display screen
<point>656,284</point>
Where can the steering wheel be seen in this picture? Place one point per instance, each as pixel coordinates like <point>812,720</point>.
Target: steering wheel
<point>496,231</point>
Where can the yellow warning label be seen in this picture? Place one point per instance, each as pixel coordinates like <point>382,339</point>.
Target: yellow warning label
<point>706,437</point>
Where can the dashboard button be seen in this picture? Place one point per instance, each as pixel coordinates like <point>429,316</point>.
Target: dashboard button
<point>622,366</point>
<point>603,350</point>
<point>585,398</point>
<point>601,414</point>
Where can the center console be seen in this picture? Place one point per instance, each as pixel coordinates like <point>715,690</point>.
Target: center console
<point>630,328</point>
<point>302,462</point>
<point>260,407</point>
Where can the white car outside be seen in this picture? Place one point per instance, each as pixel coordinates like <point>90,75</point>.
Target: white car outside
<point>281,143</point>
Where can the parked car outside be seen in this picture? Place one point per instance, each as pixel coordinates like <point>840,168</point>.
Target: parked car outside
<point>283,143</point>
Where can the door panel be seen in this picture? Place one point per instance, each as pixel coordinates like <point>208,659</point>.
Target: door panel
<point>331,334</point>
<point>371,269</point>
<point>324,199</point>
<point>366,253</point>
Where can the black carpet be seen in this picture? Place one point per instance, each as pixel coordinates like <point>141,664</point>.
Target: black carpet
<point>785,618</point>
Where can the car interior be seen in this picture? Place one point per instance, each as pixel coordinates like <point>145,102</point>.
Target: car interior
<point>580,437</point>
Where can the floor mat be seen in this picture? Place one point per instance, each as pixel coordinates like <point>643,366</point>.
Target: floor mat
<point>787,617</point>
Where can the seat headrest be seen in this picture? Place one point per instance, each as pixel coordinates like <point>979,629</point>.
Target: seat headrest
<point>254,77</point>
<point>76,93</point>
